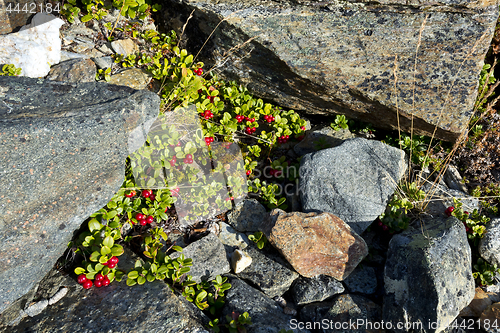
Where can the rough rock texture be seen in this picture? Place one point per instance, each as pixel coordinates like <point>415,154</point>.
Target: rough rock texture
<point>316,289</point>
<point>480,302</point>
<point>63,150</point>
<point>489,246</point>
<point>134,78</point>
<point>345,57</point>
<point>428,275</point>
<point>322,138</point>
<point>346,310</point>
<point>74,71</point>
<point>230,237</point>
<point>209,258</point>
<point>267,316</point>
<point>35,47</point>
<point>354,181</point>
<point>267,273</point>
<point>362,280</point>
<point>13,20</point>
<point>490,318</point>
<point>116,308</point>
<point>247,215</point>
<point>124,46</point>
<point>315,243</point>
<point>240,260</point>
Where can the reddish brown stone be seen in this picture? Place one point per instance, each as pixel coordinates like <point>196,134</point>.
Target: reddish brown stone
<point>315,243</point>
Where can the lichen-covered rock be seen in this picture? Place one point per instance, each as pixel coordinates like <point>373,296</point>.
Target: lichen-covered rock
<point>353,181</point>
<point>316,289</point>
<point>315,243</point>
<point>489,246</point>
<point>35,47</point>
<point>428,275</point>
<point>376,61</point>
<point>63,150</point>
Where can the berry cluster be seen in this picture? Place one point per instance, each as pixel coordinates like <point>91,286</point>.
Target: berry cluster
<point>240,118</point>
<point>111,263</point>
<point>209,140</point>
<point>382,225</point>
<point>188,159</point>
<point>130,194</point>
<point>198,71</point>
<point>283,139</point>
<point>175,191</point>
<point>148,194</point>
<point>211,98</point>
<point>143,220</point>
<point>275,173</point>
<point>231,198</point>
<point>269,119</point>
<point>449,212</point>
<point>207,114</point>
<point>173,161</point>
<point>250,130</point>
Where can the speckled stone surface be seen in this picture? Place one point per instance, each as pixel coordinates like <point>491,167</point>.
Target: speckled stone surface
<point>363,59</point>
<point>315,243</point>
<point>353,181</point>
<point>62,157</point>
<point>428,275</point>
<point>134,78</point>
<point>74,71</point>
<point>316,289</point>
<point>116,308</point>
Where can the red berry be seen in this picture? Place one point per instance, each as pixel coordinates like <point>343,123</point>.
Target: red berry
<point>385,228</point>
<point>98,284</point>
<point>449,210</point>
<point>178,144</point>
<point>82,278</point>
<point>142,222</point>
<point>87,284</point>
<point>111,265</point>
<point>166,209</point>
<point>252,120</point>
<point>98,277</point>
<point>113,260</point>
<point>380,223</point>
<point>150,219</point>
<point>466,212</point>
<point>303,128</point>
<point>106,281</point>
<point>152,197</point>
<point>130,194</point>
<point>145,193</point>
<point>249,172</point>
<point>139,216</point>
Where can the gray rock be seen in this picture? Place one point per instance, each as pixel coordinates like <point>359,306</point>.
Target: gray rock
<point>63,153</point>
<point>454,180</point>
<point>247,215</point>
<point>322,138</point>
<point>230,237</point>
<point>428,275</point>
<point>316,289</point>
<point>353,181</point>
<point>65,55</point>
<point>103,62</point>
<point>209,258</point>
<point>362,280</point>
<point>344,57</point>
<point>293,198</point>
<point>489,246</point>
<point>341,315</point>
<point>74,71</point>
<point>266,315</point>
<point>116,308</point>
<point>124,46</point>
<point>267,273</point>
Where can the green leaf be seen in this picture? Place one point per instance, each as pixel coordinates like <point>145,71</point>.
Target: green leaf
<point>133,275</point>
<point>131,282</point>
<point>86,18</point>
<point>79,270</point>
<point>105,250</point>
<point>141,279</point>
<point>177,248</point>
<point>94,225</point>
<point>95,256</point>
<point>117,250</point>
<point>108,241</point>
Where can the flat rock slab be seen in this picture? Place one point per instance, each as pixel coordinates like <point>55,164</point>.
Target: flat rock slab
<point>315,243</point>
<point>427,275</point>
<point>353,181</point>
<point>151,307</point>
<point>63,150</point>
<point>316,289</point>
<point>364,59</point>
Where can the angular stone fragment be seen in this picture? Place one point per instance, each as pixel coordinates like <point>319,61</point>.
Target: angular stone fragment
<point>316,289</point>
<point>133,77</point>
<point>209,258</point>
<point>124,46</point>
<point>315,243</point>
<point>489,246</point>
<point>74,71</point>
<point>35,47</point>
<point>369,60</point>
<point>268,273</point>
<point>427,276</point>
<point>62,156</point>
<point>240,260</point>
<point>247,215</point>
<point>354,181</point>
